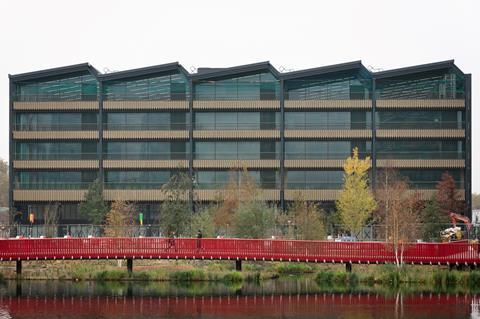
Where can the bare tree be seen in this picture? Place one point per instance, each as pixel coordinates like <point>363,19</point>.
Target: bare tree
<point>51,216</point>
<point>398,211</point>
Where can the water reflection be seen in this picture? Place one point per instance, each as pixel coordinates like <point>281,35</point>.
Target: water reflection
<point>284,298</point>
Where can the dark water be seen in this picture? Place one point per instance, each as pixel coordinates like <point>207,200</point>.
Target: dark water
<point>282,298</point>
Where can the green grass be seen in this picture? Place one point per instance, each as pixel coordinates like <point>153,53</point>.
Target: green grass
<point>188,275</point>
<point>294,268</point>
<point>111,275</point>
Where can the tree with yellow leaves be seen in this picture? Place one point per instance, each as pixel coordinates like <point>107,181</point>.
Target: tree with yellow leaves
<point>119,220</point>
<point>356,202</point>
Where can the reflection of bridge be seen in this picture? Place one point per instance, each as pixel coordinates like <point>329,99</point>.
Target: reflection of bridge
<point>457,253</point>
<point>323,305</point>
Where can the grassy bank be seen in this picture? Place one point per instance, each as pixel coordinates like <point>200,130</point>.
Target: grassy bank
<point>393,277</point>
<point>224,271</point>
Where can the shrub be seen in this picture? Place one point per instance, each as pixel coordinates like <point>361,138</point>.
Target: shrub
<point>142,275</point>
<point>111,275</point>
<point>294,268</point>
<point>233,277</point>
<point>340,277</point>
<point>188,275</point>
<point>324,277</point>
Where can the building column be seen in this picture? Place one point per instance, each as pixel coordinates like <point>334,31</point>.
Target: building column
<point>282,146</point>
<point>374,134</point>
<point>468,145</point>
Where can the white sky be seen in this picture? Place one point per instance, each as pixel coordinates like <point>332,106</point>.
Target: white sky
<point>120,35</point>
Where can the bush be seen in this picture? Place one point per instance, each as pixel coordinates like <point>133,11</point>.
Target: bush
<point>111,275</point>
<point>253,277</point>
<point>324,277</point>
<point>340,277</point>
<point>233,277</point>
<point>142,276</point>
<point>2,278</point>
<point>294,268</point>
<point>188,275</point>
<point>474,279</point>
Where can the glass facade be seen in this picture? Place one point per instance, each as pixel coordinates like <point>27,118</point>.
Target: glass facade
<point>439,84</point>
<point>297,154</point>
<point>54,179</point>
<point>325,149</point>
<point>237,120</point>
<point>262,86</point>
<point>266,179</point>
<point>337,86</point>
<point>164,87</point>
<point>428,178</point>
<point>76,87</point>
<point>59,121</point>
<point>83,150</point>
<point>420,149</point>
<point>146,121</point>
<point>313,179</point>
<point>328,120</point>
<point>236,150</point>
<point>141,150</point>
<point>136,179</point>
<point>419,118</point>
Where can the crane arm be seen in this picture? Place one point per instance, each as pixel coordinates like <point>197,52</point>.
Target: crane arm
<point>454,217</point>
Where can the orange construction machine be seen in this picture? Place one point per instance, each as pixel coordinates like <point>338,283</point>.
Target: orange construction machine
<point>455,232</point>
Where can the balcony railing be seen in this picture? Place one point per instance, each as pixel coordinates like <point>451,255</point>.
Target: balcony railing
<point>146,156</point>
<point>56,156</point>
<point>57,127</point>
<point>313,185</point>
<point>321,155</point>
<point>238,126</point>
<point>236,156</point>
<point>328,126</point>
<point>421,125</point>
<point>52,185</point>
<point>145,96</point>
<point>223,185</point>
<point>54,97</point>
<point>146,127</point>
<point>385,155</point>
<point>135,185</point>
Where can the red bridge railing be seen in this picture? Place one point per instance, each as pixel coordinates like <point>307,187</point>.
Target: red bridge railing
<point>250,249</point>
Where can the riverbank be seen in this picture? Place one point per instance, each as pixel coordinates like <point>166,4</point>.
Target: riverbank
<point>224,271</point>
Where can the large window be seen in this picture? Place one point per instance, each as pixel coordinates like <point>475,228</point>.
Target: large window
<point>323,179</point>
<point>267,179</point>
<point>236,150</point>
<point>56,121</point>
<point>327,120</point>
<point>146,121</point>
<point>73,88</point>
<point>136,179</point>
<point>237,120</point>
<point>336,86</point>
<point>55,150</point>
<point>439,84</point>
<point>263,86</point>
<point>420,149</point>
<point>424,119</point>
<point>151,150</point>
<point>165,87</point>
<point>325,149</point>
<point>54,179</point>
<point>429,178</point>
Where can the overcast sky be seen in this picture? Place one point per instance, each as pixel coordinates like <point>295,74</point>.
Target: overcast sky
<point>120,35</point>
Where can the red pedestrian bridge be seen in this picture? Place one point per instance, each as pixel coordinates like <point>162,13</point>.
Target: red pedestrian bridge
<point>456,253</point>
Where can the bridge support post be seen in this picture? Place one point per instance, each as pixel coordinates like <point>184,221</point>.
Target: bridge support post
<point>130,266</point>
<point>348,267</point>
<point>238,265</point>
<point>19,268</point>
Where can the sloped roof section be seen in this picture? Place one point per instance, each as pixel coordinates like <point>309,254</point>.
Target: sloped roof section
<point>47,73</point>
<point>354,65</point>
<point>417,69</point>
<point>236,70</point>
<point>146,71</point>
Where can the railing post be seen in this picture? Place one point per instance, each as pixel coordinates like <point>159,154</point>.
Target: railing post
<point>19,268</point>
<point>130,266</point>
<point>348,267</point>
<point>238,265</point>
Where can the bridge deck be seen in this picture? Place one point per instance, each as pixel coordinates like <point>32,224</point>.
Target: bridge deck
<point>244,249</point>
